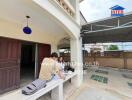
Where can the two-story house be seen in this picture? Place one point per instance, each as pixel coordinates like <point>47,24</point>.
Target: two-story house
<point>50,21</point>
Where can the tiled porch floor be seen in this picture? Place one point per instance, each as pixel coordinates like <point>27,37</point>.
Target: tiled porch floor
<point>116,89</point>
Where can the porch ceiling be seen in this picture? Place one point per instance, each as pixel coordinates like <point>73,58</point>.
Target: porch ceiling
<point>16,10</point>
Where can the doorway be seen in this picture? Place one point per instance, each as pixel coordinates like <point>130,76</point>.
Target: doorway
<point>27,65</point>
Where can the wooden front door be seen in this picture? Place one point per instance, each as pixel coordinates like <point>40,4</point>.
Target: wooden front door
<point>44,50</point>
<point>9,64</point>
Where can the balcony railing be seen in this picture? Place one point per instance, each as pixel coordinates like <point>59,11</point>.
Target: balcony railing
<point>65,4</point>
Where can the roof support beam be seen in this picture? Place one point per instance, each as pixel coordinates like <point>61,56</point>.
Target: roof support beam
<point>105,26</point>
<point>121,27</point>
<point>91,27</point>
<point>127,23</point>
<point>118,24</point>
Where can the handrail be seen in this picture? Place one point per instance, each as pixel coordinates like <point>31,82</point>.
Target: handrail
<point>69,5</point>
<point>66,6</point>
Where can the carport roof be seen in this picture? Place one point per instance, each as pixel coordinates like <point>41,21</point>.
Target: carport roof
<point>113,29</point>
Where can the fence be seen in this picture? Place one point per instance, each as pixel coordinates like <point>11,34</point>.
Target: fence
<point>116,59</point>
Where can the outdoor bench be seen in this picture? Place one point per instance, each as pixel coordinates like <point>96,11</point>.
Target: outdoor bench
<point>56,86</point>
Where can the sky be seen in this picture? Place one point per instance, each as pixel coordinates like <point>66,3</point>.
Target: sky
<point>99,9</point>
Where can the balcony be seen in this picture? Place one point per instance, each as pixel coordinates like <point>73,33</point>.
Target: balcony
<point>63,12</point>
<point>68,8</point>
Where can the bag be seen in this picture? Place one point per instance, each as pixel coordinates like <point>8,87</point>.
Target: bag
<point>34,87</point>
<point>68,68</point>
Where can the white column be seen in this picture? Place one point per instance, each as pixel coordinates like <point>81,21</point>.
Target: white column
<point>76,57</point>
<point>54,48</point>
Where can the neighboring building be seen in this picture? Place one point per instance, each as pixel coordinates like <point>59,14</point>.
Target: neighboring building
<point>21,54</point>
<point>83,21</point>
<point>95,49</point>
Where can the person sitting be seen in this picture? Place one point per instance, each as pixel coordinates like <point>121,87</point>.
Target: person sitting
<point>50,69</point>
<point>62,63</point>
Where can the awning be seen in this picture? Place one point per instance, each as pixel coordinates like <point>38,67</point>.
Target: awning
<point>113,29</point>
